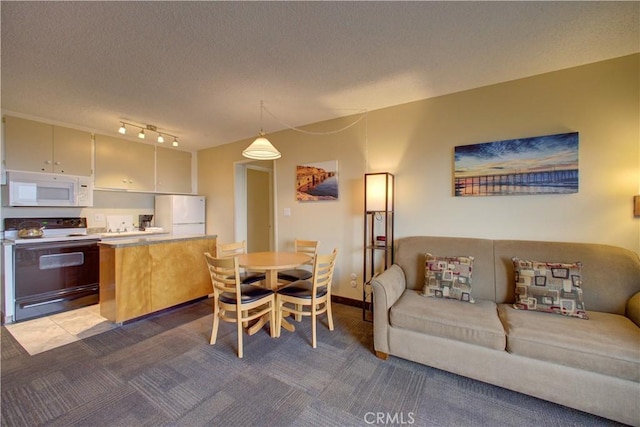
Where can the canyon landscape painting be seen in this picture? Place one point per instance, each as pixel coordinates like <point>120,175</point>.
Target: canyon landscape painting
<point>317,181</point>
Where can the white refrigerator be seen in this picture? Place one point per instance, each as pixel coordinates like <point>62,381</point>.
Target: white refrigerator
<point>180,215</point>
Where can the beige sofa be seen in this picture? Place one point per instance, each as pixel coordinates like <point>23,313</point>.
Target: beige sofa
<point>592,365</point>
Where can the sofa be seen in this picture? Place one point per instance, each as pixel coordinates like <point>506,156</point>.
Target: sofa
<point>592,364</point>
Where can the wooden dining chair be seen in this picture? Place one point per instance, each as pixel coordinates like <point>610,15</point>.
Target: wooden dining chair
<point>309,247</point>
<point>314,294</point>
<point>255,301</point>
<point>227,250</point>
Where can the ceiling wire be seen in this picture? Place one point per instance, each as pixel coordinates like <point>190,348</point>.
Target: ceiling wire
<point>297,129</point>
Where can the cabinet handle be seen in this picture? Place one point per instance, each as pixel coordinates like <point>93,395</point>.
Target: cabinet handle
<point>48,162</point>
<point>57,163</point>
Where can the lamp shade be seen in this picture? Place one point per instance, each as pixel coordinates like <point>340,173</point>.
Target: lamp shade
<point>261,149</point>
<point>378,192</point>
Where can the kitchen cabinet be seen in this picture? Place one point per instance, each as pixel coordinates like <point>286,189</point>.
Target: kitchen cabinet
<point>124,165</point>
<point>142,276</point>
<point>41,147</point>
<point>173,171</point>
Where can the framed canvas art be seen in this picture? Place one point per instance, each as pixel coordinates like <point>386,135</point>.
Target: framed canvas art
<point>537,165</point>
<point>317,181</point>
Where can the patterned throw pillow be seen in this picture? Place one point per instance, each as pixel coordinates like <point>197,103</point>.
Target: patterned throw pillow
<point>551,287</point>
<point>448,277</point>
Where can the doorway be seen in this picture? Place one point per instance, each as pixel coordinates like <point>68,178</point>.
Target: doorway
<point>254,205</point>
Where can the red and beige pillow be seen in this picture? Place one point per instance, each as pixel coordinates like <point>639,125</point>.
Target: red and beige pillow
<point>550,287</point>
<point>448,277</point>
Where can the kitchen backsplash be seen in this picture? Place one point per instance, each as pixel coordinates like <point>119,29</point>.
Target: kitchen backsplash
<point>105,204</point>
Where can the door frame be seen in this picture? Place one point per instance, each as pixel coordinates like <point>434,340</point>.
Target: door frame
<point>240,200</point>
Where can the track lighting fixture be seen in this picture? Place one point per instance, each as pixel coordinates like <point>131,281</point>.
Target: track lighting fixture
<point>152,128</point>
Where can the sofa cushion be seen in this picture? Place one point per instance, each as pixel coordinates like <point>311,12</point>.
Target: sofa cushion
<point>608,343</point>
<point>471,323</point>
<point>551,287</point>
<point>448,277</point>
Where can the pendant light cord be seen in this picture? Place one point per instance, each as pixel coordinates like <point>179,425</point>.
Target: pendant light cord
<point>364,115</point>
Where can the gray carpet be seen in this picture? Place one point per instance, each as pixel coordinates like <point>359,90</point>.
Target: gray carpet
<point>161,371</point>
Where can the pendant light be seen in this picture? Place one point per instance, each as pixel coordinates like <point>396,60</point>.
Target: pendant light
<point>261,148</point>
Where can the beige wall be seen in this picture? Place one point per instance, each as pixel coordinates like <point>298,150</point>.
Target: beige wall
<point>415,142</point>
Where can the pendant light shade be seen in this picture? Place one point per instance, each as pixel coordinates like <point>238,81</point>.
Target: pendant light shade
<point>261,149</point>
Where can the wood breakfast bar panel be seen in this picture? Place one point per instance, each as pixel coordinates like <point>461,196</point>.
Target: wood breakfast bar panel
<point>120,267</point>
<point>179,272</point>
<point>143,275</point>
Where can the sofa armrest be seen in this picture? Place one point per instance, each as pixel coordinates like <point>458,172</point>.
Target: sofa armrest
<point>633,308</point>
<point>387,287</point>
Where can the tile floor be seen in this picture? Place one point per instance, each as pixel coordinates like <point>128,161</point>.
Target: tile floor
<point>53,331</point>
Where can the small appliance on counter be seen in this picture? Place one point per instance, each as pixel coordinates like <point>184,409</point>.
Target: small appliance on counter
<point>144,221</point>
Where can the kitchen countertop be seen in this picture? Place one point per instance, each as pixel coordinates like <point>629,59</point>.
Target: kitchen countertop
<point>131,234</point>
<point>151,240</point>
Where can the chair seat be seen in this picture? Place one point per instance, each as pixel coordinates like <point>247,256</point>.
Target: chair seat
<point>250,293</point>
<point>302,289</point>
<point>247,278</point>
<point>295,274</point>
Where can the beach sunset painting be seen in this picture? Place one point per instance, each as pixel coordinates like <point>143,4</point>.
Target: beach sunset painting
<point>537,165</point>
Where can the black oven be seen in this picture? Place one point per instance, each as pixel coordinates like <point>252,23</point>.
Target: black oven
<point>55,276</point>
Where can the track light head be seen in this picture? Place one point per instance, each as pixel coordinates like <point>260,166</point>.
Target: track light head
<point>151,128</point>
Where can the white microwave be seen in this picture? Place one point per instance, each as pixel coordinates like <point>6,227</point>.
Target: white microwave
<point>41,189</point>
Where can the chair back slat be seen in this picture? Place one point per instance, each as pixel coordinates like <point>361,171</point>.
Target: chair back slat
<point>309,247</point>
<point>323,270</point>
<point>226,250</point>
<point>225,273</point>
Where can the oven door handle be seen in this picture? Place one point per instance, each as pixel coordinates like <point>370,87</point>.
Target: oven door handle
<point>36,304</point>
<point>56,245</point>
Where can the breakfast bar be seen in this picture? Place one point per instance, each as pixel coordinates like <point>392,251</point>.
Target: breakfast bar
<point>140,276</point>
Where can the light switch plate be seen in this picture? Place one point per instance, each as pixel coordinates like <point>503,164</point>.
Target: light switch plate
<point>287,212</point>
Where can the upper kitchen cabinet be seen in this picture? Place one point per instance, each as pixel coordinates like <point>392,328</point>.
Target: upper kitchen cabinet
<point>41,147</point>
<point>124,165</point>
<point>173,171</point>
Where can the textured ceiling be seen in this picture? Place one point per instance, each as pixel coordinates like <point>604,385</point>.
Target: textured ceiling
<point>198,70</point>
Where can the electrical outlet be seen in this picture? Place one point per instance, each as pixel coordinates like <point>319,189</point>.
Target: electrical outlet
<point>98,217</point>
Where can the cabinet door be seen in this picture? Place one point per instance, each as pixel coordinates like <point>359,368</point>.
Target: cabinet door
<point>122,164</point>
<point>28,145</point>
<point>173,171</point>
<point>141,166</point>
<point>71,151</point>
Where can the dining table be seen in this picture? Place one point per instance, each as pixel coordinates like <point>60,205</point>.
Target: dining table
<point>271,262</point>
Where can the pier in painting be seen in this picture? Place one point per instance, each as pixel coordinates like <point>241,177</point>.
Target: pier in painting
<point>539,182</point>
